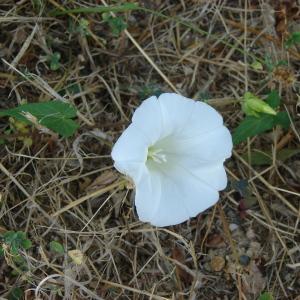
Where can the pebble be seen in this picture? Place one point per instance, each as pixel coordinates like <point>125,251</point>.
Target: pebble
<point>233,226</point>
<point>244,260</point>
<point>217,263</point>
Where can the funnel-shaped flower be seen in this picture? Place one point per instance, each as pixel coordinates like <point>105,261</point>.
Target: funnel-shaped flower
<point>174,151</point>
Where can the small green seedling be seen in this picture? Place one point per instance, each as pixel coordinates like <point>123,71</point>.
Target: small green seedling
<point>11,245</point>
<point>257,66</point>
<point>271,65</point>
<point>147,91</point>
<point>16,293</point>
<point>266,296</point>
<point>53,60</point>
<point>116,24</point>
<point>83,27</point>
<point>13,242</point>
<point>293,39</point>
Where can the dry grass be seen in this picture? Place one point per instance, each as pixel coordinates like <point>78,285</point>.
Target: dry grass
<point>67,190</point>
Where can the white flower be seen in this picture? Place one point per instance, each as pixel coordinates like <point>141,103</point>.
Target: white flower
<point>174,151</point>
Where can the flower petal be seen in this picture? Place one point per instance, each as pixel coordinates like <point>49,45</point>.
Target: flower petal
<point>130,153</point>
<point>148,118</point>
<point>212,173</point>
<point>132,146</point>
<point>204,118</point>
<point>186,116</point>
<point>176,111</point>
<point>148,194</point>
<point>157,201</point>
<point>182,195</point>
<point>132,169</point>
<point>212,146</point>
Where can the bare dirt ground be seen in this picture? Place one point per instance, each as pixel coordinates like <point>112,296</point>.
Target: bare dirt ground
<point>82,238</point>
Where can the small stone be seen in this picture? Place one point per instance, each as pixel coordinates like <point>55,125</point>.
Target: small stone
<point>244,260</point>
<point>250,234</point>
<point>233,227</point>
<point>217,263</point>
<point>254,249</point>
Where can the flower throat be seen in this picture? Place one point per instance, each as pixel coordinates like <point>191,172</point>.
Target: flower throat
<point>156,155</point>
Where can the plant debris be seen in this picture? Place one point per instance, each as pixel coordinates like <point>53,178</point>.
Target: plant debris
<point>68,226</point>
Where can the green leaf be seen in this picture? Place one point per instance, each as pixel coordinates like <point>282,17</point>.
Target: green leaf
<point>147,91</point>
<point>116,24</point>
<point>40,110</point>
<point>286,154</point>
<point>16,240</point>
<point>282,62</point>
<point>56,247</point>
<point>282,119</point>
<point>10,236</point>
<point>293,39</point>
<point>37,4</point>
<point>258,158</point>
<point>64,127</point>
<point>71,89</point>
<point>257,66</point>
<point>54,61</point>
<point>19,260</point>
<point>252,126</point>
<point>26,244</point>
<point>83,27</point>
<point>55,115</point>
<point>266,296</point>
<point>16,294</point>
<point>273,99</point>
<point>269,63</point>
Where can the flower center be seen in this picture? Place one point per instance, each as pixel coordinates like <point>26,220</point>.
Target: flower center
<point>156,155</point>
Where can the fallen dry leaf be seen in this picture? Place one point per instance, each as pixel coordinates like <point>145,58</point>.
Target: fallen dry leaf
<point>77,256</point>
